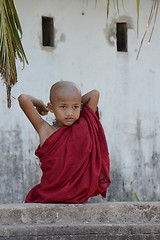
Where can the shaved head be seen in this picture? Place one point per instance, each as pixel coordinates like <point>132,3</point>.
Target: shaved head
<point>64,88</point>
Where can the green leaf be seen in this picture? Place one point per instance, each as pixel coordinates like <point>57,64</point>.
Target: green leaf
<point>107,8</point>
<point>136,197</point>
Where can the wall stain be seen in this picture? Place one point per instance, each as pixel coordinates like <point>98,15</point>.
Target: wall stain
<point>17,167</point>
<point>155,159</point>
<point>110,31</point>
<point>138,130</point>
<point>62,37</point>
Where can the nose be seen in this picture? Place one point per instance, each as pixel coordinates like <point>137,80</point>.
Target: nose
<point>69,112</point>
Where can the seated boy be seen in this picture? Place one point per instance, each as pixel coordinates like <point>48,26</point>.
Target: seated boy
<point>73,151</point>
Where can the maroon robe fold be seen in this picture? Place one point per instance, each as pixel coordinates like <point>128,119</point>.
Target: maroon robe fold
<point>74,161</point>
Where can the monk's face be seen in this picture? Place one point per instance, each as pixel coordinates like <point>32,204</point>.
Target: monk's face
<point>66,105</point>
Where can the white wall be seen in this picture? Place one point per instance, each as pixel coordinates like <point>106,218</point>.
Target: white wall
<point>129,102</point>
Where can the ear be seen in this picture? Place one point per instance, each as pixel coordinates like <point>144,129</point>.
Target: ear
<point>50,107</point>
<point>82,106</point>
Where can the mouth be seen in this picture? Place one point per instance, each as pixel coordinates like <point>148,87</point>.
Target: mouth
<point>69,119</point>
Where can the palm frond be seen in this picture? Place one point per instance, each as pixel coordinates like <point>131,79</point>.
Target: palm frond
<point>114,4</point>
<point>157,7</point>
<point>154,11</point>
<point>123,3</point>
<point>138,3</point>
<point>10,45</point>
<point>107,8</point>
<point>96,2</point>
<point>117,6</point>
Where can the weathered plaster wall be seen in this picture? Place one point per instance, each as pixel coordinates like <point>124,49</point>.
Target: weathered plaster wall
<point>85,52</point>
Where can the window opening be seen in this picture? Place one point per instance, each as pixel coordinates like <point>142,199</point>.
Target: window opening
<point>47,31</point>
<point>122,37</point>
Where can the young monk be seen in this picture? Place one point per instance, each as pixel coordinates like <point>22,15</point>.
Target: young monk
<point>73,151</point>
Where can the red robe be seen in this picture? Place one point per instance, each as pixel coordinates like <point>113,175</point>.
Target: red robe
<point>74,161</point>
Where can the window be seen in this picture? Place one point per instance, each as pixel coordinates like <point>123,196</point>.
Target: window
<point>47,31</point>
<point>122,37</point>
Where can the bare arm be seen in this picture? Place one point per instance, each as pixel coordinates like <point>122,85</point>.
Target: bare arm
<point>33,107</point>
<point>91,99</point>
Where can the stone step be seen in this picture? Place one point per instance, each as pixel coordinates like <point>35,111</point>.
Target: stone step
<point>81,232</point>
<point>111,221</point>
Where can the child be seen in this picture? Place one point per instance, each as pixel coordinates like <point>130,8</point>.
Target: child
<point>73,151</point>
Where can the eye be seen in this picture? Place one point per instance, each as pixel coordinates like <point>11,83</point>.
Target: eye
<point>75,107</point>
<point>62,106</point>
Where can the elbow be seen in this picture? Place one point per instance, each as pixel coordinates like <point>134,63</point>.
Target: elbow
<point>95,94</point>
<point>20,96</point>
<point>21,99</point>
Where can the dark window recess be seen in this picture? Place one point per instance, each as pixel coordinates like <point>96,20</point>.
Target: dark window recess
<point>122,37</point>
<point>47,31</point>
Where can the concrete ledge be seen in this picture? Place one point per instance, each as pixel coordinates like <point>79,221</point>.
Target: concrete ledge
<point>119,212</point>
<point>91,221</point>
